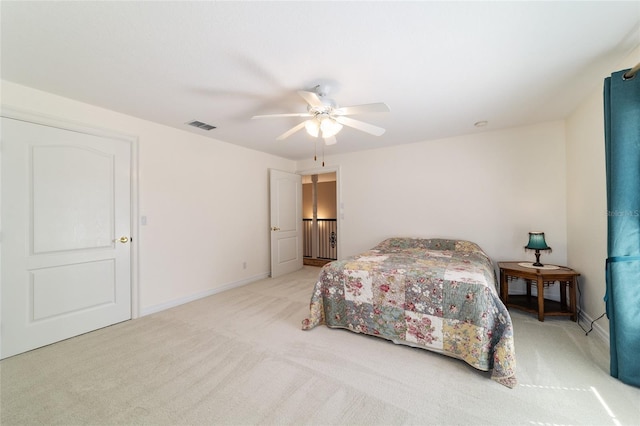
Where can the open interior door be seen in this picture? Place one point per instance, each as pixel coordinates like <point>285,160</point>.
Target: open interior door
<point>286,222</point>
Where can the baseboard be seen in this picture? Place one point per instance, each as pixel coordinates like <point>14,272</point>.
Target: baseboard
<point>518,287</point>
<point>177,302</point>
<point>597,328</point>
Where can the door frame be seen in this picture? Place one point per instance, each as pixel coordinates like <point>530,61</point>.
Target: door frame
<point>65,124</point>
<point>339,204</point>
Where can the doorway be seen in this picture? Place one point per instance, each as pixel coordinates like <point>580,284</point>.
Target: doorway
<point>320,218</point>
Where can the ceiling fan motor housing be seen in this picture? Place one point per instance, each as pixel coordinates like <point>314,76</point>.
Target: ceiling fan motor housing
<point>328,105</point>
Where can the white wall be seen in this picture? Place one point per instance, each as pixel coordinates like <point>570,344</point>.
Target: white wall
<point>492,188</point>
<point>207,208</point>
<point>587,198</point>
<point>206,201</point>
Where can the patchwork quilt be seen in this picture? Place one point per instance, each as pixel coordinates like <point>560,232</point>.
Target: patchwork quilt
<point>436,294</point>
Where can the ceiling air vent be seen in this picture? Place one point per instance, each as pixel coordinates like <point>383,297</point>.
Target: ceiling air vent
<point>201,125</point>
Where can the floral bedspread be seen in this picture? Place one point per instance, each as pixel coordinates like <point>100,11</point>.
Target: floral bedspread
<point>434,294</point>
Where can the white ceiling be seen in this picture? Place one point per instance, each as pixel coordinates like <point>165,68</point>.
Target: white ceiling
<point>439,66</point>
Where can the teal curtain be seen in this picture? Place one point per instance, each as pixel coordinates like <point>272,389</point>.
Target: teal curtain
<point>622,150</point>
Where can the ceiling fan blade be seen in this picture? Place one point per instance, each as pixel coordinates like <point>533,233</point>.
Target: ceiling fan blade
<point>291,131</point>
<point>360,125</point>
<point>330,140</point>
<point>362,109</point>
<point>311,98</point>
<point>293,114</point>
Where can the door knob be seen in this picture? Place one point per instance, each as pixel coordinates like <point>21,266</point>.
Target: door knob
<point>124,240</point>
<point>275,228</point>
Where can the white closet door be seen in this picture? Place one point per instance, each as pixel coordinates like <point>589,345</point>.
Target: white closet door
<point>66,231</point>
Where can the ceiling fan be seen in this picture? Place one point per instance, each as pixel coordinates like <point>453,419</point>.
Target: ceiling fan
<point>326,118</point>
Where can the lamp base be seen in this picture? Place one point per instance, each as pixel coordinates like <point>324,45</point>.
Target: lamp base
<point>530,265</point>
<point>537,262</point>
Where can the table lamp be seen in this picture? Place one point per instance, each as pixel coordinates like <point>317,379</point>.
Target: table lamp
<point>537,243</point>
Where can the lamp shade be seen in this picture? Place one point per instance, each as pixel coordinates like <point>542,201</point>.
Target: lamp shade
<point>537,242</point>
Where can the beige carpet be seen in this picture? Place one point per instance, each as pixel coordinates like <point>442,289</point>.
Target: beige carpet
<point>240,357</point>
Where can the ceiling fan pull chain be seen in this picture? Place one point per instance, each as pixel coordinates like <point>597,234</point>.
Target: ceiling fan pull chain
<point>315,149</point>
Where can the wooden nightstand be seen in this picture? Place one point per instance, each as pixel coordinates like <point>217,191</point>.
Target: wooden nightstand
<point>541,278</point>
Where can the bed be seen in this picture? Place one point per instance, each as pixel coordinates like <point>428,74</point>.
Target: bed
<point>434,294</point>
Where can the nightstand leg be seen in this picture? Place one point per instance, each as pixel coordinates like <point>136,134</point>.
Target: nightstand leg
<point>572,298</point>
<point>504,287</point>
<point>540,299</point>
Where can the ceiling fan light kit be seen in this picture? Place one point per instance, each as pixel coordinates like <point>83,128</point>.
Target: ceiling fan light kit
<point>328,126</point>
<point>313,127</point>
<point>326,119</point>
